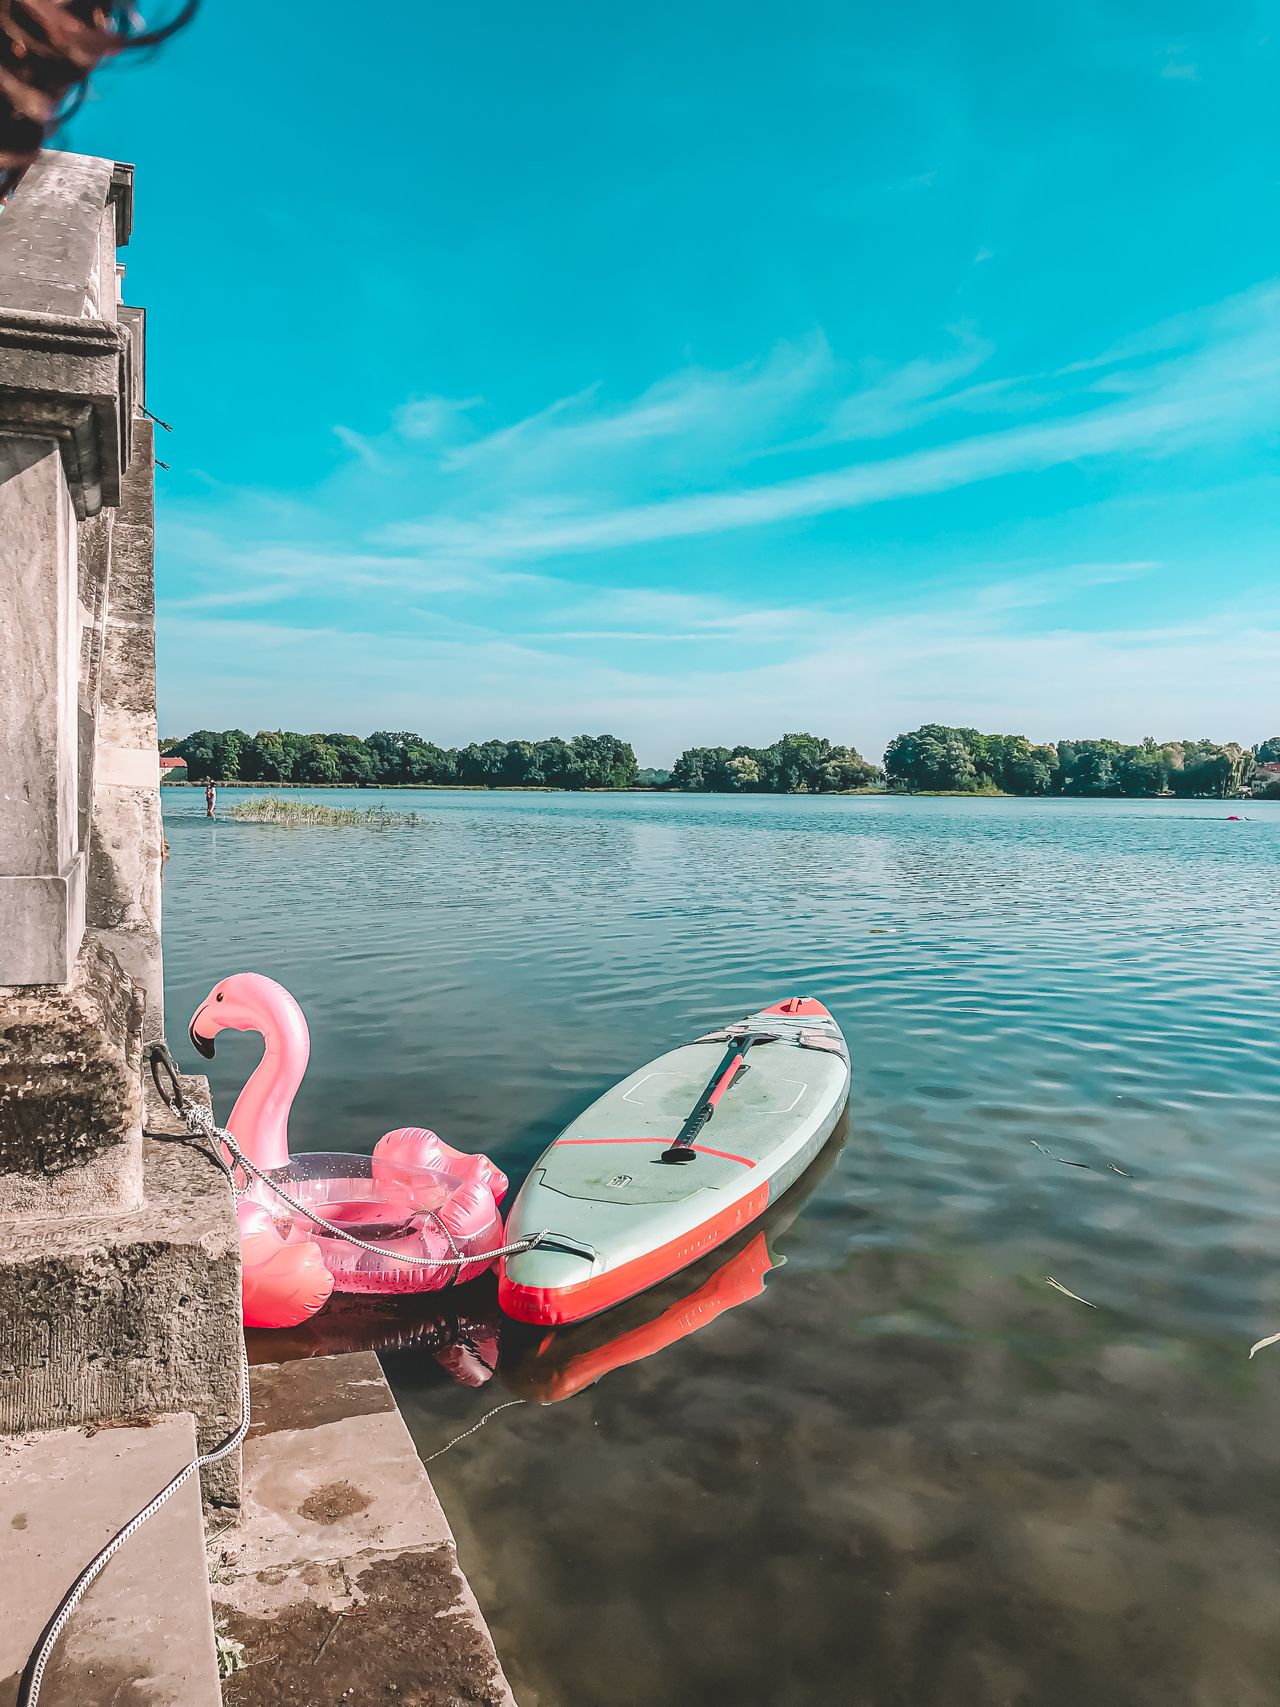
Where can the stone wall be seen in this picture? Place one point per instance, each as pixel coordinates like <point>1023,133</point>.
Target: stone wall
<point>119,1270</point>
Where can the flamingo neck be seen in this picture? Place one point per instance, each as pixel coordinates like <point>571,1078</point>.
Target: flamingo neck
<point>259,1122</point>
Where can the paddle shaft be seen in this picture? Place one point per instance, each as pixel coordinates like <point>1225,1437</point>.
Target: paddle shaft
<point>726,1073</point>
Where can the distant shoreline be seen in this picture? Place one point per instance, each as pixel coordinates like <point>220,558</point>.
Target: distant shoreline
<point>704,793</point>
<point>432,787</point>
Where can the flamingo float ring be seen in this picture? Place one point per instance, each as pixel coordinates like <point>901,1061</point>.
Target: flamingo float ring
<point>414,1195</point>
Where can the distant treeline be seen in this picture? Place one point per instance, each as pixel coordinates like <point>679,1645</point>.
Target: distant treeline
<point>796,764</point>
<point>931,758</point>
<point>936,757</point>
<point>386,757</point>
<point>945,760</point>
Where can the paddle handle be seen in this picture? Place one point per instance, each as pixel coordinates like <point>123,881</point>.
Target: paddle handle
<point>734,1063</point>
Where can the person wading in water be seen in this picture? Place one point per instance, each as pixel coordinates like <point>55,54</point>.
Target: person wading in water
<point>210,799</point>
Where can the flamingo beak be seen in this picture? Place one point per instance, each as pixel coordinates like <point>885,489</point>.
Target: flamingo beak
<point>201,1044</point>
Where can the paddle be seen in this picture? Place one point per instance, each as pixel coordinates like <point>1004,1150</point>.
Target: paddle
<point>726,1074</point>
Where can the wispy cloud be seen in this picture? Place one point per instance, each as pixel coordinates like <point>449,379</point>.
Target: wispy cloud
<point>1225,383</point>
<point>225,576</point>
<point>359,446</point>
<point>711,413</point>
<point>1036,588</point>
<point>902,398</point>
<point>433,419</point>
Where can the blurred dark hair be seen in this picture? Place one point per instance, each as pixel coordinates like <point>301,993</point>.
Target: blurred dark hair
<point>48,48</point>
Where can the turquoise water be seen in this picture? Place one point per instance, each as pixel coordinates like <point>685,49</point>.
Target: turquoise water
<point>908,1471</point>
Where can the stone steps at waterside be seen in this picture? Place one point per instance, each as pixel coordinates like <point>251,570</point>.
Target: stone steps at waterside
<point>144,1630</point>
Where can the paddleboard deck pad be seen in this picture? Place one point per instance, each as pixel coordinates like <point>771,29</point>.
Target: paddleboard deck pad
<point>622,1212</point>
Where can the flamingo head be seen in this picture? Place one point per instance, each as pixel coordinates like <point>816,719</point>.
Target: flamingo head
<point>246,1001</point>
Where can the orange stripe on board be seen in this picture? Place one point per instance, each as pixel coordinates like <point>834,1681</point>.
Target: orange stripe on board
<point>702,1149</point>
<point>553,1305</point>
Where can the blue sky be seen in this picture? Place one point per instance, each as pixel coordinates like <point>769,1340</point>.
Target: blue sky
<point>702,371</point>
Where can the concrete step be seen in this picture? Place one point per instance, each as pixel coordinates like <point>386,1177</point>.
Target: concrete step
<point>342,1580</point>
<point>144,1630</point>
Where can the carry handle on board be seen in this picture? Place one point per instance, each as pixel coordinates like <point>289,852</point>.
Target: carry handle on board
<point>726,1074</point>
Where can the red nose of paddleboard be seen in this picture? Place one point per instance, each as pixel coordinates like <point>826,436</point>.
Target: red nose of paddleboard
<point>799,1007</point>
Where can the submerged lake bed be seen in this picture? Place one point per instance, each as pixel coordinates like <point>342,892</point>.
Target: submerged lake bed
<point>873,1454</point>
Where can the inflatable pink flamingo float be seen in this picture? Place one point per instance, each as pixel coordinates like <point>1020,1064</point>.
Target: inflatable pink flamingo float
<point>415,1195</point>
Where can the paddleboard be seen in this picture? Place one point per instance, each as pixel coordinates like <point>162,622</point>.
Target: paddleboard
<point>675,1159</point>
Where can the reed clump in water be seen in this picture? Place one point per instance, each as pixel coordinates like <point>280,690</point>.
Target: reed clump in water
<point>304,814</point>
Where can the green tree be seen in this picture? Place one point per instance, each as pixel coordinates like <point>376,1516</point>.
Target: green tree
<point>796,763</point>
<point>481,764</point>
<point>520,766</point>
<point>1205,768</point>
<point>212,755</point>
<point>552,760</point>
<point>1030,769</point>
<point>1093,768</point>
<point>1241,766</point>
<point>622,766</point>
<point>701,769</point>
<point>1144,770</point>
<point>846,769</point>
<point>356,762</point>
<point>600,761</point>
<point>201,750</point>
<point>424,762</point>
<point>1269,752</point>
<point>389,750</point>
<point>932,757</point>
<point>266,759</point>
<point>233,744</point>
<point>317,762</point>
<point>1210,769</point>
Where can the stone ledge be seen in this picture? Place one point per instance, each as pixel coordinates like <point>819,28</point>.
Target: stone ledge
<point>70,380</point>
<point>131,1315</point>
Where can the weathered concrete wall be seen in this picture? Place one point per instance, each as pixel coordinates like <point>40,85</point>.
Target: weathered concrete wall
<point>42,864</point>
<point>119,1256</point>
<point>62,253</point>
<point>126,830</point>
<point>71,1095</point>
<point>67,408</point>
<point>104,1317</point>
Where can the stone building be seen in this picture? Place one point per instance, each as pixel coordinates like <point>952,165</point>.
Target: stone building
<point>118,1274</point>
<point>119,1262</point>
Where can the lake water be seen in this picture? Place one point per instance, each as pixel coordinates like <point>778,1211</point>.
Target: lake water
<point>905,1471</point>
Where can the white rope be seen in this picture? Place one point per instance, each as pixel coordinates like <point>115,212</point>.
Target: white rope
<point>473,1430</point>
<point>200,1121</point>
<point>31,1696</point>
